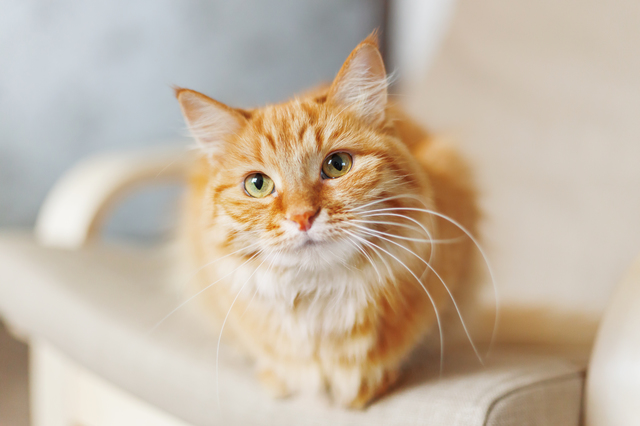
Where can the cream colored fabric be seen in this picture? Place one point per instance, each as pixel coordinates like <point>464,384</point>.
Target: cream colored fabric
<point>530,405</point>
<point>613,385</point>
<point>544,99</point>
<point>97,305</point>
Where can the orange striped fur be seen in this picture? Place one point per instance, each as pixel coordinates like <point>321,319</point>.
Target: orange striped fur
<point>322,309</point>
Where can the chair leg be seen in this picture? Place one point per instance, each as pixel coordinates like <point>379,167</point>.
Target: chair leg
<point>50,378</point>
<point>66,394</point>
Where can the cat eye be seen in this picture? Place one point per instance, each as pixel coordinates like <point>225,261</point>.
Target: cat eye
<point>258,185</point>
<point>336,165</point>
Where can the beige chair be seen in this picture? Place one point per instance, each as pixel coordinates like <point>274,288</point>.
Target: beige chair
<point>86,309</point>
<point>543,98</point>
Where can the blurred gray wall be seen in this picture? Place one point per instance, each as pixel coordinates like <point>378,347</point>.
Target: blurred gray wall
<point>80,77</point>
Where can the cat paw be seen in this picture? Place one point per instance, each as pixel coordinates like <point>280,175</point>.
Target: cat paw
<point>358,395</point>
<point>274,385</point>
<point>371,391</point>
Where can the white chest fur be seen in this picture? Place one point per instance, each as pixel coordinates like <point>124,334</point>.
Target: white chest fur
<point>307,303</point>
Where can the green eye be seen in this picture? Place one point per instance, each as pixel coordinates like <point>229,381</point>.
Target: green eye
<point>258,185</point>
<point>336,165</point>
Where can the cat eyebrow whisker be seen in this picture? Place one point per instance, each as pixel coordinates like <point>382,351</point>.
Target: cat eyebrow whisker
<point>455,304</point>
<point>433,303</point>
<point>478,246</point>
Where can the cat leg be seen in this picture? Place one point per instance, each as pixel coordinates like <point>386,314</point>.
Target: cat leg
<point>356,386</point>
<point>272,383</point>
<point>284,378</point>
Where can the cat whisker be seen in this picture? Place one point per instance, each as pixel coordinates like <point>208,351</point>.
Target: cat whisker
<point>389,269</point>
<point>325,259</point>
<point>478,246</point>
<point>382,200</point>
<point>197,294</point>
<point>256,292</point>
<point>225,321</point>
<point>420,200</point>
<point>417,240</point>
<point>453,300</point>
<point>273,260</point>
<point>412,197</point>
<point>346,265</point>
<point>368,257</point>
<point>433,303</point>
<point>339,260</point>
<point>382,222</point>
<point>195,274</point>
<point>424,228</point>
<point>249,304</point>
<point>180,156</point>
<point>413,228</point>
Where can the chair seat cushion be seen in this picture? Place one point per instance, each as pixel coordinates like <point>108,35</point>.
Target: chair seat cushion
<point>98,304</point>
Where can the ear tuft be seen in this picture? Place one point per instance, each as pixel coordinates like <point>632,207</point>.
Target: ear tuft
<point>177,90</point>
<point>210,122</point>
<point>361,84</point>
<point>372,39</point>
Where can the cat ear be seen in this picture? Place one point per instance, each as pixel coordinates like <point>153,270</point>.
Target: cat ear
<point>361,84</point>
<point>209,121</point>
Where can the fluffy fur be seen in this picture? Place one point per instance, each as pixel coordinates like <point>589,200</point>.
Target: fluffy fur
<point>341,305</point>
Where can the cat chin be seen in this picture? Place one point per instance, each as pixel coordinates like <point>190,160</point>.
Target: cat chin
<point>314,255</point>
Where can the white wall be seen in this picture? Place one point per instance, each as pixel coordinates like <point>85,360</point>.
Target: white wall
<point>417,29</point>
<point>544,98</point>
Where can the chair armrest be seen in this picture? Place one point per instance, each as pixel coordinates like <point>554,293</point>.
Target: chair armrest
<point>613,379</point>
<point>75,207</point>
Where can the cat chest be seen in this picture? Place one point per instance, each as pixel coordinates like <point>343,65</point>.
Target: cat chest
<point>308,306</point>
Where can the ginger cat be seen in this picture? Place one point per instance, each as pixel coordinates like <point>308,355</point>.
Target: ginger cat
<point>325,223</point>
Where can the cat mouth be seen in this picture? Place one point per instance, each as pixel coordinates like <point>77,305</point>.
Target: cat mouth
<point>309,243</point>
<point>314,252</point>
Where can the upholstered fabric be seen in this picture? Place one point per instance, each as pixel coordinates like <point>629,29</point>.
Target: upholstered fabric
<point>544,98</point>
<point>98,304</point>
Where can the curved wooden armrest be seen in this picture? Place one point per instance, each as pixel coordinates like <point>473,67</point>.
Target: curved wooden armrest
<point>613,380</point>
<point>74,209</point>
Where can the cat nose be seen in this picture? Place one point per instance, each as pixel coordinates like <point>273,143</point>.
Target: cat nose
<point>304,219</point>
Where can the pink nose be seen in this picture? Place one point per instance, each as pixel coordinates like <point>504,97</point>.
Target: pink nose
<point>305,219</point>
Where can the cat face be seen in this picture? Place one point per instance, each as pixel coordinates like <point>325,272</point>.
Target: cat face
<point>292,179</point>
